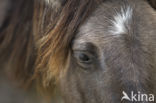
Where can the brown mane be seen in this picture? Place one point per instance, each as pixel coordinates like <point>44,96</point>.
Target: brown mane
<point>26,28</point>
<point>55,47</point>
<point>16,41</point>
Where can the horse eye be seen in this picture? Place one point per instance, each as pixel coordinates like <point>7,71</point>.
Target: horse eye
<point>83,57</point>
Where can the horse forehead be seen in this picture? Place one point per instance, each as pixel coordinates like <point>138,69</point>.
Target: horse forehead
<point>122,20</point>
<point>106,23</point>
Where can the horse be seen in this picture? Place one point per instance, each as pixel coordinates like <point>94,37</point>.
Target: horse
<point>89,51</point>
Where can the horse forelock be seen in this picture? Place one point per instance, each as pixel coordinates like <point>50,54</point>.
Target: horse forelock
<point>55,45</point>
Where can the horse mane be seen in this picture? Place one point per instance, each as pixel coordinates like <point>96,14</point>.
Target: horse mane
<point>16,41</point>
<point>54,46</point>
<point>35,46</point>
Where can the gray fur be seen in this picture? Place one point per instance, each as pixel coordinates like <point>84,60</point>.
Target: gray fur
<point>124,63</point>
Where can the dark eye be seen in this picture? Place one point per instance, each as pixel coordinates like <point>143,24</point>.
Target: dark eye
<point>83,57</point>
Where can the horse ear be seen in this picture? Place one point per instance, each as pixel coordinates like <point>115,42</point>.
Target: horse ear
<point>152,3</point>
<point>17,44</point>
